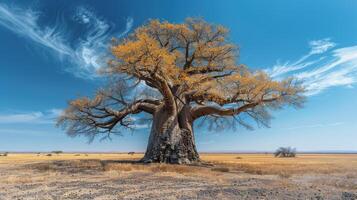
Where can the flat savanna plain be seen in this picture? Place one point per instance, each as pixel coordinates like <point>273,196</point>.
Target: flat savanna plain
<point>221,176</point>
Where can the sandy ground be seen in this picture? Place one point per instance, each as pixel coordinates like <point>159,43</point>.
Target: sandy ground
<point>224,176</point>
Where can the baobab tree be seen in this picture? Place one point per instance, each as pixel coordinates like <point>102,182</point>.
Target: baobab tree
<point>175,75</point>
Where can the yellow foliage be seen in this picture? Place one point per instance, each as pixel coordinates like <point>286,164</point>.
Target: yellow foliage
<point>190,63</point>
<point>195,56</point>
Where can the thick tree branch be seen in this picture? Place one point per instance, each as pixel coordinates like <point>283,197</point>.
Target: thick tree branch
<point>201,111</point>
<point>169,98</point>
<point>90,118</point>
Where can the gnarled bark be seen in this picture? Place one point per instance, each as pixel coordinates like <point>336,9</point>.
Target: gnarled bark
<point>171,139</point>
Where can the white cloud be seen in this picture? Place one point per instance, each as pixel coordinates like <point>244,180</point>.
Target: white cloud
<point>321,46</point>
<point>88,51</point>
<point>128,27</point>
<point>47,117</point>
<point>55,112</point>
<point>316,47</point>
<point>322,68</point>
<point>24,23</point>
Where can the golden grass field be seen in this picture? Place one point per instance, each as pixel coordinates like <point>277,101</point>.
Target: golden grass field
<point>222,176</point>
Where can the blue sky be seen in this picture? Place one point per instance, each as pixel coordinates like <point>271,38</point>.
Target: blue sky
<point>51,50</point>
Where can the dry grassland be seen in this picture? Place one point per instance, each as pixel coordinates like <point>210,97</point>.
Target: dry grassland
<point>221,176</point>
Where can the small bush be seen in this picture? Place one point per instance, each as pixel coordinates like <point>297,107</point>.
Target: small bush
<point>131,153</point>
<point>77,155</point>
<point>57,152</point>
<point>220,169</point>
<point>4,154</point>
<point>238,157</point>
<point>285,152</point>
<point>49,154</point>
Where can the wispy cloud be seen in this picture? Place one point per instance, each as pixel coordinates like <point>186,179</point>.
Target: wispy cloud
<point>323,67</point>
<point>46,117</point>
<point>321,46</point>
<point>86,53</point>
<point>316,47</point>
<point>316,125</point>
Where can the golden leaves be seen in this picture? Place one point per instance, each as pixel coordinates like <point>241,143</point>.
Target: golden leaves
<point>165,48</point>
<point>144,56</point>
<point>196,57</point>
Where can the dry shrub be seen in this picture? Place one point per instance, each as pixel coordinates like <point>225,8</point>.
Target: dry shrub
<point>87,164</point>
<point>252,170</point>
<point>260,169</point>
<point>247,168</point>
<point>282,169</point>
<point>285,152</point>
<point>73,166</point>
<point>5,154</point>
<point>57,152</point>
<point>220,169</point>
<point>49,154</point>
<point>238,157</point>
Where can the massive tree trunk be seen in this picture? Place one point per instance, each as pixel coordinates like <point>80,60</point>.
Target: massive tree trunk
<point>171,139</point>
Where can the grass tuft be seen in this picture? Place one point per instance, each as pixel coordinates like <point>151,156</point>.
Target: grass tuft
<point>220,169</point>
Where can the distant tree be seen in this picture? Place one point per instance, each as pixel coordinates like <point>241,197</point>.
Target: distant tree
<point>285,152</point>
<point>131,153</point>
<point>175,75</point>
<point>57,152</point>
<point>4,154</point>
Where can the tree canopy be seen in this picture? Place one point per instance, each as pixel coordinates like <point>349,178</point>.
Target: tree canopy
<point>190,66</point>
